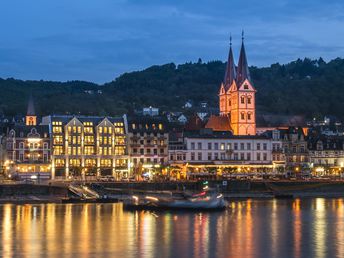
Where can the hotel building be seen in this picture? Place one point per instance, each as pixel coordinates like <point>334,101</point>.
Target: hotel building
<point>148,144</point>
<point>85,146</point>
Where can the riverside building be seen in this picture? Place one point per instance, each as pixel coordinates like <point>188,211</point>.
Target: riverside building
<point>223,153</point>
<point>87,146</point>
<point>28,148</point>
<point>148,145</point>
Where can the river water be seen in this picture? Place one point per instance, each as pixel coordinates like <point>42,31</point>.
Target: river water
<point>250,228</point>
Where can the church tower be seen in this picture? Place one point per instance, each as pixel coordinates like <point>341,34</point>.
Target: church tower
<point>228,82</point>
<point>31,118</point>
<point>237,95</point>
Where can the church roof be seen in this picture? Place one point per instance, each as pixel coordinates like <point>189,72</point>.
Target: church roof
<point>243,72</point>
<point>230,73</point>
<point>31,107</point>
<point>219,123</point>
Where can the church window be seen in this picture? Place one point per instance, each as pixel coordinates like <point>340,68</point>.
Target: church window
<point>242,115</point>
<point>242,100</point>
<point>249,100</point>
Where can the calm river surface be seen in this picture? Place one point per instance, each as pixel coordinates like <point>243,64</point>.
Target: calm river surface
<point>251,228</point>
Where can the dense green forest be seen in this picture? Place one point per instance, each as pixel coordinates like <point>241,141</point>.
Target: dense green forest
<point>306,87</point>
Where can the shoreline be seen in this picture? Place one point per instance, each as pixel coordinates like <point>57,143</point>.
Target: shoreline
<point>56,192</point>
<point>22,200</point>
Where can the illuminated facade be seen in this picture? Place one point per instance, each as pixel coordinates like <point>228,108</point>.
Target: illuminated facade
<point>237,95</point>
<point>148,144</point>
<point>326,154</point>
<point>28,148</point>
<point>87,146</point>
<point>206,149</point>
<point>295,149</point>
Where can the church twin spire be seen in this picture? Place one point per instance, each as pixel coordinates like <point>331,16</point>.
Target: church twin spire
<point>238,74</point>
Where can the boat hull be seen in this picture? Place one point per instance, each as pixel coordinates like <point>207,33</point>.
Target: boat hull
<point>210,204</point>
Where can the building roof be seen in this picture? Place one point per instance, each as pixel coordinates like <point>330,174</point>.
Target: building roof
<point>210,134</point>
<point>243,72</point>
<point>194,123</point>
<point>327,142</point>
<point>219,123</point>
<point>279,120</point>
<point>230,73</point>
<point>31,107</point>
<point>26,129</point>
<point>95,119</point>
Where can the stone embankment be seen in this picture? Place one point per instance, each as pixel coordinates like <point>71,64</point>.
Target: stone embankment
<point>53,193</point>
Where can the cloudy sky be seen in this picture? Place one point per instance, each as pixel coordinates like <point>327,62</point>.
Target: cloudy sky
<point>97,40</point>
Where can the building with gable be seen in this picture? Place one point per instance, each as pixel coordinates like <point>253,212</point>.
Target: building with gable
<point>28,148</point>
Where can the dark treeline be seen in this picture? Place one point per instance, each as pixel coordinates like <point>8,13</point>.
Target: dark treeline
<point>306,87</point>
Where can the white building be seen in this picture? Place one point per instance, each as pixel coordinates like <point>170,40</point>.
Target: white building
<point>150,111</point>
<point>207,148</point>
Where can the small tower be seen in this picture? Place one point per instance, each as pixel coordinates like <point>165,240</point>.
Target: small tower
<point>31,118</point>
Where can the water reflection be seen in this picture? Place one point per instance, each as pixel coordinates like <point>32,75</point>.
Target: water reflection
<point>251,228</point>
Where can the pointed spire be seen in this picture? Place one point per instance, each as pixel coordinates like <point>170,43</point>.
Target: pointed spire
<point>242,73</point>
<point>31,107</point>
<point>230,73</point>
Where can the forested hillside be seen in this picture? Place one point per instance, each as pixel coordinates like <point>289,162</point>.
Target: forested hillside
<point>307,87</point>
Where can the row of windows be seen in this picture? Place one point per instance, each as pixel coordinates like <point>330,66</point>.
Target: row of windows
<point>243,100</point>
<point>142,134</point>
<point>223,156</point>
<point>243,115</point>
<point>88,139</point>
<point>148,151</point>
<point>33,157</point>
<point>91,162</point>
<point>149,142</point>
<point>148,160</point>
<point>222,146</point>
<point>32,146</point>
<point>147,126</point>
<point>89,130</point>
<point>90,150</point>
<point>326,161</point>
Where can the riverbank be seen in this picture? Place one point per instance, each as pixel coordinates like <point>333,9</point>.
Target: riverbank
<point>231,189</point>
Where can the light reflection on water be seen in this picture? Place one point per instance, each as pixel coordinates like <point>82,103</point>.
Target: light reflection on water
<point>251,228</point>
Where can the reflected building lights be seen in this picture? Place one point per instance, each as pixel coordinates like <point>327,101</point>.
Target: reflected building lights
<point>319,229</point>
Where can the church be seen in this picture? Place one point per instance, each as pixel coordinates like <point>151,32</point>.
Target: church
<point>236,98</point>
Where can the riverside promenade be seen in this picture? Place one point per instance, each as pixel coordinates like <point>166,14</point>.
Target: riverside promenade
<point>54,192</point>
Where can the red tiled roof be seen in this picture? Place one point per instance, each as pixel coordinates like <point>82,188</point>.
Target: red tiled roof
<point>219,123</point>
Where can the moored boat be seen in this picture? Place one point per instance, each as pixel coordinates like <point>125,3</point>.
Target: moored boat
<point>195,202</point>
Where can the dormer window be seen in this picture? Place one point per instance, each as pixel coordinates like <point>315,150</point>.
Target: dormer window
<point>245,87</point>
